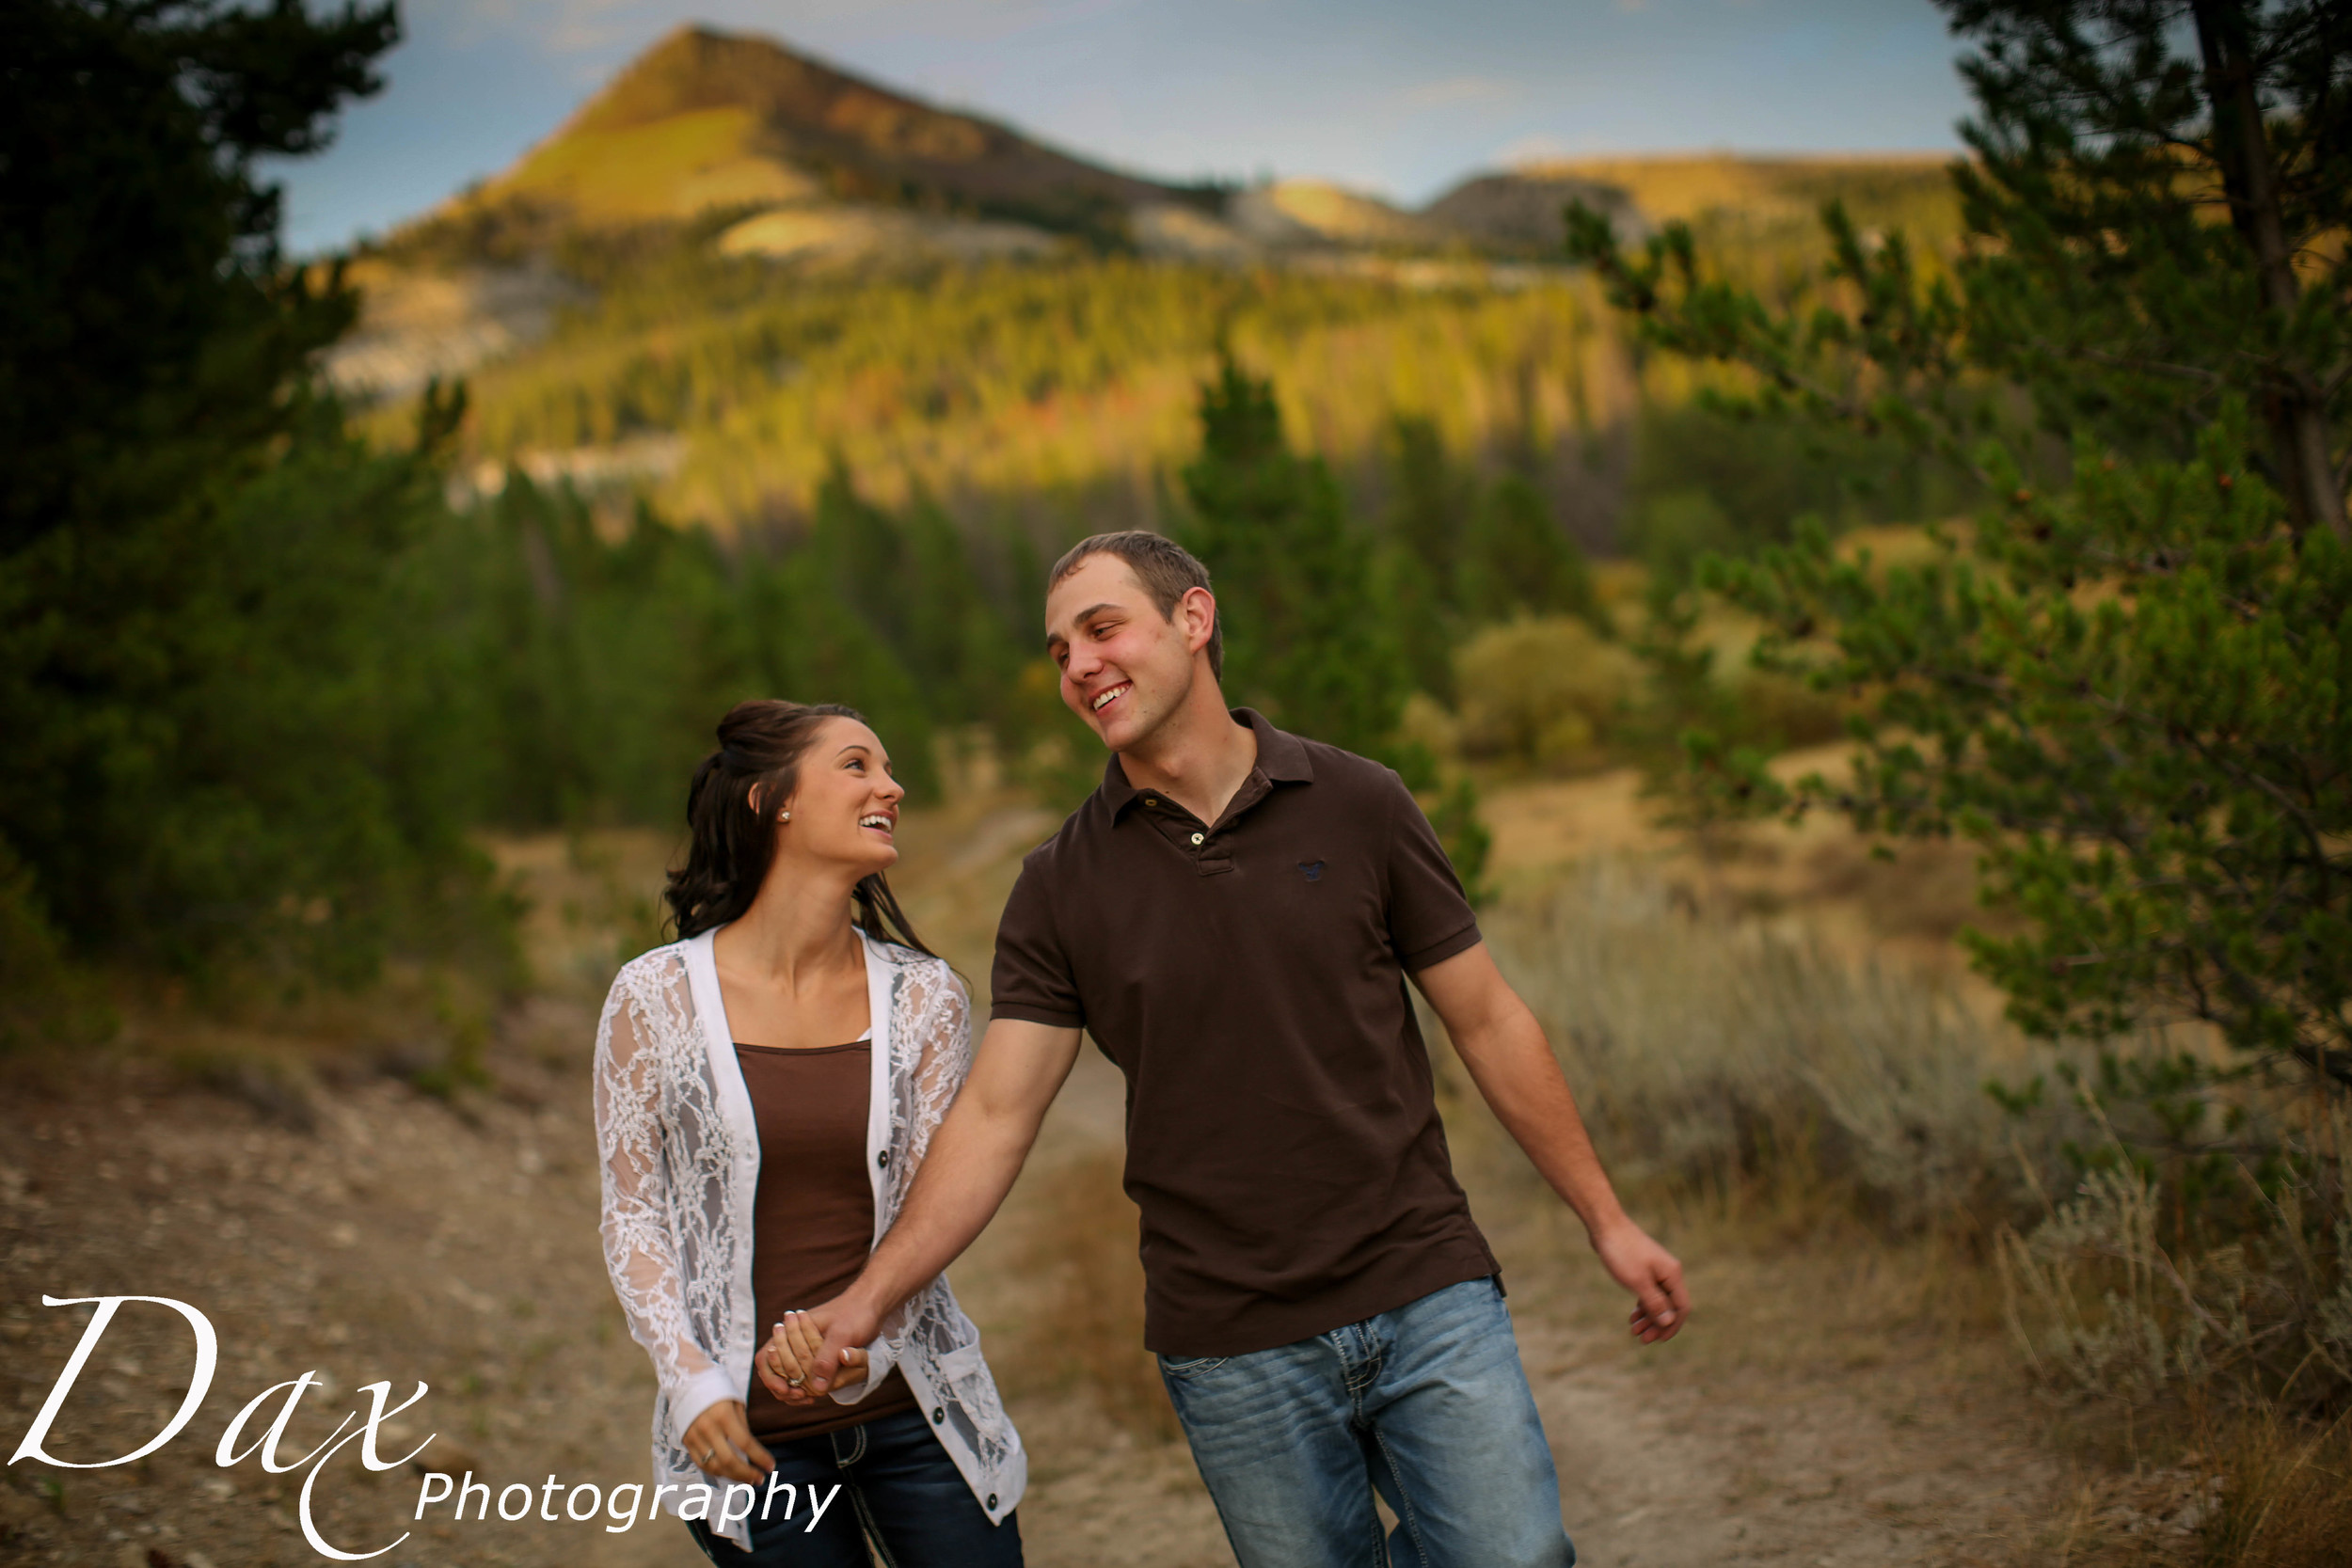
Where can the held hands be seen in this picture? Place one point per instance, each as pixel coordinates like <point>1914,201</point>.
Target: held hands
<point>720,1441</point>
<point>1654,1276</point>
<point>784,1363</point>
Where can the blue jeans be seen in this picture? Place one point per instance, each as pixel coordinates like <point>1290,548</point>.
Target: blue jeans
<point>1426,1403</point>
<point>898,1489</point>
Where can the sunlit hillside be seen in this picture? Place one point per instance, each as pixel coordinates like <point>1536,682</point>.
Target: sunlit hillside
<point>707,120</point>
<point>1911,189</point>
<point>735,267</point>
<point>1765,212</point>
<point>998,384</point>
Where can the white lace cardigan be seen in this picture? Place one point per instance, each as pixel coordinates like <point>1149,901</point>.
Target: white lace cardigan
<point>680,1157</point>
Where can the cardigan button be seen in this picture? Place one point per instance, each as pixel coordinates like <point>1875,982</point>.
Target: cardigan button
<point>991,1500</point>
<point>882,1159</point>
<point>939,1414</point>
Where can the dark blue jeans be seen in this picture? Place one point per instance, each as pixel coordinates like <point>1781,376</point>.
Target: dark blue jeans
<point>896,1487</point>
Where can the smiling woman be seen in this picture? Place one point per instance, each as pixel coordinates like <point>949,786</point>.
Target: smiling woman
<point>766,1088</point>
<point>741,802</point>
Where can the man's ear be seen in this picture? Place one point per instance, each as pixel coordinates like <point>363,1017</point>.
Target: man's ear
<point>1196,613</point>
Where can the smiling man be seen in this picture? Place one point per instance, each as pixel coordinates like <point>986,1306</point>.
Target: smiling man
<point>1234,915</point>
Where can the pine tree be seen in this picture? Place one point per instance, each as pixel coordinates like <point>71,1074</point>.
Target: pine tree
<point>1307,634</point>
<point>214,750</point>
<point>2130,682</point>
<point>1428,520</point>
<point>1521,563</point>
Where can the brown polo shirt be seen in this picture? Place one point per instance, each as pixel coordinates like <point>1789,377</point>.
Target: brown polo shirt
<point>1248,978</point>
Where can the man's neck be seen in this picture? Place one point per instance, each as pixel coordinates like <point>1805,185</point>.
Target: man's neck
<point>1198,758</point>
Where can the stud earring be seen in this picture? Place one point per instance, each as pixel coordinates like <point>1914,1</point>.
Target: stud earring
<point>783,816</point>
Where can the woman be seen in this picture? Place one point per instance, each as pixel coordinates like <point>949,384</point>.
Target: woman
<point>766,1087</point>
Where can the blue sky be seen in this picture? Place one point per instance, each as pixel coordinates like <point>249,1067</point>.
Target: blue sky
<point>1399,97</point>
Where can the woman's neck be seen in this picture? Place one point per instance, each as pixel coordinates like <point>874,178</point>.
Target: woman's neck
<point>797,927</point>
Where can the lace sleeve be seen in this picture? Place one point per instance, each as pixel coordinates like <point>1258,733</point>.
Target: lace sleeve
<point>935,1012</point>
<point>641,1246</point>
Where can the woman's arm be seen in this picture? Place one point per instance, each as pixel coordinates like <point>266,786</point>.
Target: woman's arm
<point>640,1251</point>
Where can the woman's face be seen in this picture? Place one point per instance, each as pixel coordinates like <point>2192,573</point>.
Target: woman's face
<point>845,809</point>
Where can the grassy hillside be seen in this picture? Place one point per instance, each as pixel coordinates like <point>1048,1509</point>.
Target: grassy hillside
<point>1760,219</point>
<point>1026,382</point>
<point>1911,190</point>
<point>1074,378</point>
<point>672,168</point>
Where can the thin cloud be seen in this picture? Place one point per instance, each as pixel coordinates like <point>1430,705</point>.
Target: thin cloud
<point>1454,90</point>
<point>1537,148</point>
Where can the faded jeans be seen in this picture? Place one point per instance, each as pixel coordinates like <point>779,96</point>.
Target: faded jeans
<point>1426,1403</point>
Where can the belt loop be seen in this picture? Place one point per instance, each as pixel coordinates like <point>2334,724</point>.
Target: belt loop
<point>857,1450</point>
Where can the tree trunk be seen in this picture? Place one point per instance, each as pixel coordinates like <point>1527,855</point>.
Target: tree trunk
<point>2296,411</point>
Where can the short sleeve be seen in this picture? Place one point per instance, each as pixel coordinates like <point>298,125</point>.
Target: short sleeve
<point>1032,979</point>
<point>1430,918</point>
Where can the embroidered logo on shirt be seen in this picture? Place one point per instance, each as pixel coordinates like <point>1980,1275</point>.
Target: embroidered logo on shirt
<point>1312,868</point>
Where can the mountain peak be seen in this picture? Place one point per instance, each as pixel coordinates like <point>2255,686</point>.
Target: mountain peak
<point>705,118</point>
<point>693,68</point>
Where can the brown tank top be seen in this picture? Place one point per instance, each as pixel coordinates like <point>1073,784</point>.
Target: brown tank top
<point>813,1220</point>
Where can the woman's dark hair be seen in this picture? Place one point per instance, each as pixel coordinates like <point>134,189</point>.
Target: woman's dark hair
<point>760,747</point>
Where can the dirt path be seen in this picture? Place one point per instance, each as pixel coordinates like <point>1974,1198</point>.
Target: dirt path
<point>1806,1417</point>
<point>402,1240</point>
<point>1809,1417</point>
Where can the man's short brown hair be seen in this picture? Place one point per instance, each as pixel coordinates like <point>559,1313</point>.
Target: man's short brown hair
<point>1167,570</point>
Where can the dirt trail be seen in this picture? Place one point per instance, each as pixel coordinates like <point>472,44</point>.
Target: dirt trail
<point>402,1240</point>
<point>399,1237</point>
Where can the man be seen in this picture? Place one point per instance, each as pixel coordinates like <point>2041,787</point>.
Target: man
<point>1233,914</point>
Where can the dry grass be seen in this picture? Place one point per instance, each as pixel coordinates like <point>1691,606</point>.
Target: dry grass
<point>1086,1330</point>
<point>1789,1110</point>
<point>2252,1490</point>
<point>1713,1052</point>
<point>593,901</point>
<point>2285,1496</point>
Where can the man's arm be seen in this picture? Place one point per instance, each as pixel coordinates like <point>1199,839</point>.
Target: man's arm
<point>1503,1047</point>
<point>970,1166</point>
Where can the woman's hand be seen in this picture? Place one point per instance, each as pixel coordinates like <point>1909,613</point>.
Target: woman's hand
<point>784,1362</point>
<point>720,1441</point>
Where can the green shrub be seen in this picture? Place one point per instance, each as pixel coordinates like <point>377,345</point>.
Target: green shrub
<point>2116,1298</point>
<point>43,994</point>
<point>1540,692</point>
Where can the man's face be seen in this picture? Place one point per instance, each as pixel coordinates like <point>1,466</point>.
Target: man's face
<point>1125,666</point>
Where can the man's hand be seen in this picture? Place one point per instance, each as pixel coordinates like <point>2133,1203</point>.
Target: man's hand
<point>794,1350</point>
<point>720,1441</point>
<point>1654,1276</point>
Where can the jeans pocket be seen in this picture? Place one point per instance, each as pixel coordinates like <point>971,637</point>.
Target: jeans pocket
<point>1182,1367</point>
